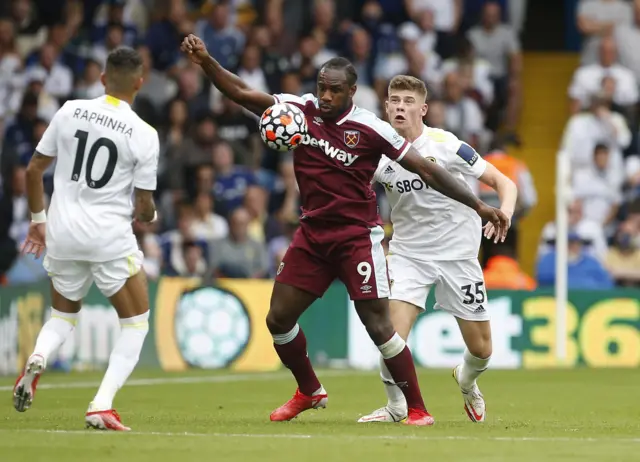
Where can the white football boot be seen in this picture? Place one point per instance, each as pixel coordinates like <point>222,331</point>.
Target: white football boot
<point>384,414</point>
<point>473,400</point>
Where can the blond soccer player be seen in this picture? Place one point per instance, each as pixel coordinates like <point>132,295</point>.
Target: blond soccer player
<point>105,153</point>
<point>435,245</point>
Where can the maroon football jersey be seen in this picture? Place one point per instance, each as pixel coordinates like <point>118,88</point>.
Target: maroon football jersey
<point>336,160</point>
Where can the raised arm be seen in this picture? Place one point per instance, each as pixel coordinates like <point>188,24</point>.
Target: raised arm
<point>443,182</point>
<point>232,86</point>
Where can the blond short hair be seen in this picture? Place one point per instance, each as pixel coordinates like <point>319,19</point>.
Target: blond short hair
<point>408,83</point>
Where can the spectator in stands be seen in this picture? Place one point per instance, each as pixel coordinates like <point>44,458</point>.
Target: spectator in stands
<point>10,65</point>
<point>164,35</point>
<point>231,181</point>
<point>274,64</point>
<point>447,19</point>
<point>517,171</point>
<point>463,116</point>
<point>30,35</point>
<point>585,272</point>
<point>195,265</point>
<point>361,56</point>
<point>195,150</point>
<point>113,40</point>
<point>600,125</point>
<point>58,79</point>
<point>115,15</point>
<point>158,88</point>
<point>499,45</point>
<point>90,86</point>
<point>588,79</point>
<point>623,259</point>
<point>627,37</point>
<point>480,86</point>
<point>240,130</point>
<point>599,188</point>
<point>437,114</point>
<point>597,19</point>
<point>592,233</point>
<point>503,272</point>
<point>208,225</point>
<point>256,199</point>
<point>176,243</point>
<point>250,70</point>
<point>220,36</point>
<point>239,256</point>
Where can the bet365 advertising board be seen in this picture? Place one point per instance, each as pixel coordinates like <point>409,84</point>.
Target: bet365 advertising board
<point>224,327</point>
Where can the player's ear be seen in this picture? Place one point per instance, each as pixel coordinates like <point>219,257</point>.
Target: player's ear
<point>103,79</point>
<point>424,109</point>
<point>138,84</point>
<point>352,90</point>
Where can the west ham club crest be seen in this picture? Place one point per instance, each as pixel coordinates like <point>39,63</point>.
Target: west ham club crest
<point>351,138</point>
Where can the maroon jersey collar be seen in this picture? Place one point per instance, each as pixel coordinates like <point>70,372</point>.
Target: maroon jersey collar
<point>345,116</point>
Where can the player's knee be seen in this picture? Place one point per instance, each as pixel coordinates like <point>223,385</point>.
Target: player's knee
<point>379,328</point>
<point>481,348</point>
<point>278,322</point>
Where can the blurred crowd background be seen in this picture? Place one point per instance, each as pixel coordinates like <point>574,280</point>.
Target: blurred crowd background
<point>228,207</point>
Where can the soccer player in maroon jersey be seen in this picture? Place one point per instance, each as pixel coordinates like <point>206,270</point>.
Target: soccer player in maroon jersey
<point>340,235</point>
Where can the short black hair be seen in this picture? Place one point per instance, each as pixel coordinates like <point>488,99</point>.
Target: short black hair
<point>123,66</point>
<point>601,147</point>
<point>124,59</point>
<point>343,64</point>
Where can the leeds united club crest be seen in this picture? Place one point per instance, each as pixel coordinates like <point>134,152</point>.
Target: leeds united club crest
<point>351,138</point>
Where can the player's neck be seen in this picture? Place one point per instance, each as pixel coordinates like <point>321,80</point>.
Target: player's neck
<point>411,133</point>
<point>122,97</point>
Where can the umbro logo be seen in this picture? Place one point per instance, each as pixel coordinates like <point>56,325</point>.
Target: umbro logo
<point>388,170</point>
<point>480,309</point>
<point>317,120</point>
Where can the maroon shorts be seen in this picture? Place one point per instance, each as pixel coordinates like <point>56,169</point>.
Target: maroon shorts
<point>320,254</point>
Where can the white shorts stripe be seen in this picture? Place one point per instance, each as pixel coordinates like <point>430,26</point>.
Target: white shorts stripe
<point>379,261</point>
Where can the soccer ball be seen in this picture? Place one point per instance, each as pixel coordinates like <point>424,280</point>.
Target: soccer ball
<point>212,327</point>
<point>283,126</point>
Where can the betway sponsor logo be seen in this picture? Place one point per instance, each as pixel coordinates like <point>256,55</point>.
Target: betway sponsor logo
<point>342,156</point>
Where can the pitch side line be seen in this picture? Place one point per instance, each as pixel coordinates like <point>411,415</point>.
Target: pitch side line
<point>337,437</point>
<point>265,376</point>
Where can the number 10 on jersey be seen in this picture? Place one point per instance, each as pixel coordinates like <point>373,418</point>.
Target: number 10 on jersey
<point>93,152</point>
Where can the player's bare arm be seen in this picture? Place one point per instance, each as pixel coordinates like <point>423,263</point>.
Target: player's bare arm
<point>227,82</point>
<point>35,241</point>
<point>507,193</point>
<point>38,164</point>
<point>145,208</point>
<point>442,181</point>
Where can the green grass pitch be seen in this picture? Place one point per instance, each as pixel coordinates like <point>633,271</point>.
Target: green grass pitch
<point>563,415</point>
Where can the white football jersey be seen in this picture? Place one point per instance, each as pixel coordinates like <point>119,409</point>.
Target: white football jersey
<point>103,150</point>
<point>426,224</point>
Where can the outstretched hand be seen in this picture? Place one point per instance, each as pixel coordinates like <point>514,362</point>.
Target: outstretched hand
<point>35,242</point>
<point>498,223</point>
<point>195,48</point>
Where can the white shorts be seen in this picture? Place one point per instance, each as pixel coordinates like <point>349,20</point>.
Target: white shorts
<point>459,285</point>
<point>72,278</point>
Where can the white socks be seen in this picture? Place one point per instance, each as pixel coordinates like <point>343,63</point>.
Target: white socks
<point>54,332</point>
<point>397,401</point>
<point>391,348</point>
<point>471,369</point>
<point>122,361</point>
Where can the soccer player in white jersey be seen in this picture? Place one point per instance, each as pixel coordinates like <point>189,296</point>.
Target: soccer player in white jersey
<point>435,244</point>
<point>104,153</point>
